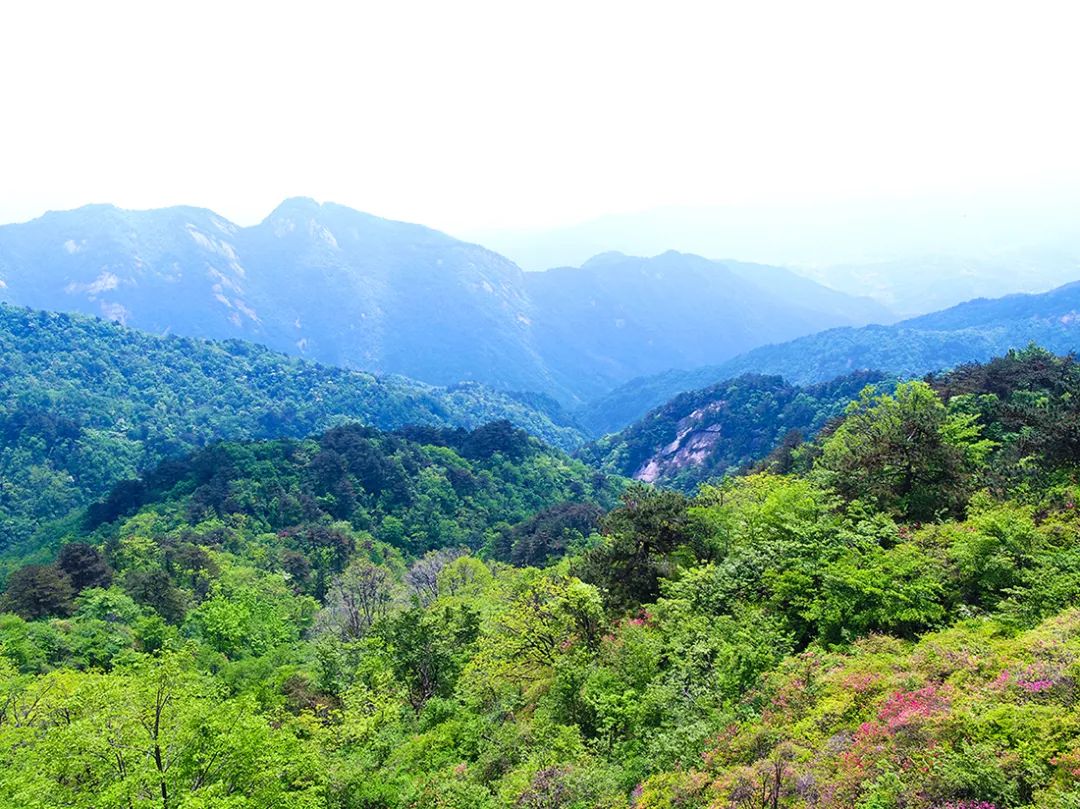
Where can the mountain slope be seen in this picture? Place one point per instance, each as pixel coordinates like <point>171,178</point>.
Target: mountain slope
<point>417,489</point>
<point>617,317</point>
<point>800,291</point>
<point>332,284</point>
<point>707,433</point>
<point>356,290</point>
<point>84,403</point>
<point>322,281</point>
<point>970,332</point>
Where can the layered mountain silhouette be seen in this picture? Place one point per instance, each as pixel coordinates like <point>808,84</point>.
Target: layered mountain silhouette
<point>599,324</point>
<point>969,332</point>
<point>320,281</point>
<point>335,285</point>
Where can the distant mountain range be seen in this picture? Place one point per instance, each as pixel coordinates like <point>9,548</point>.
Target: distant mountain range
<point>599,324</point>
<point>343,287</point>
<point>915,286</point>
<point>610,339</point>
<point>913,255</point>
<point>320,281</point>
<point>970,332</point>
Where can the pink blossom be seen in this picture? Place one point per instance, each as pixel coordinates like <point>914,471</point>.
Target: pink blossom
<point>904,706</point>
<point>1035,686</point>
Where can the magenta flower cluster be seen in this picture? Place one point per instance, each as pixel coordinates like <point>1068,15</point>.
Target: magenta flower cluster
<point>904,706</point>
<point>1031,680</point>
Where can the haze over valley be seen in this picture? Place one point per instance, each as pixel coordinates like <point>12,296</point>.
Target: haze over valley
<point>581,405</point>
<point>332,284</point>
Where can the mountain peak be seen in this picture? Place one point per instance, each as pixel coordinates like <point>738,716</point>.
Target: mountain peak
<point>102,218</point>
<point>294,206</point>
<point>605,259</point>
<point>614,257</point>
<point>338,224</point>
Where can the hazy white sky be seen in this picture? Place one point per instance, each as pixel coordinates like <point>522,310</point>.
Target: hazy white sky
<point>467,115</point>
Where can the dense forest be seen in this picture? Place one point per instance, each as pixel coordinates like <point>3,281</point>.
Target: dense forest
<point>881,617</point>
<point>85,403</point>
<point>705,434</point>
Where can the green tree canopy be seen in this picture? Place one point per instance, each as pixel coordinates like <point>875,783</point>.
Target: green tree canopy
<point>906,454</point>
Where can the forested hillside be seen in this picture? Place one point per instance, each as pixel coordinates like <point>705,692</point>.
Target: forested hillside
<point>705,434</point>
<point>347,622</point>
<point>84,403</point>
<point>753,420</point>
<point>971,332</point>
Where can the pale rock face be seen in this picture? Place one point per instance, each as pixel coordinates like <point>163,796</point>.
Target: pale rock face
<point>247,311</point>
<point>115,311</point>
<point>200,238</point>
<point>323,234</point>
<point>103,283</point>
<point>692,446</point>
<point>649,472</point>
<point>222,281</point>
<point>222,248</point>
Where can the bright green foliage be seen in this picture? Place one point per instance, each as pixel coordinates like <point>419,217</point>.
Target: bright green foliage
<point>336,623</point>
<point>154,733</point>
<point>248,613</point>
<point>85,403</point>
<point>969,717</point>
<point>905,454</point>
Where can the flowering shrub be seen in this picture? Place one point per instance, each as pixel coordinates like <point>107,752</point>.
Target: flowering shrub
<point>972,710</point>
<point>906,707</point>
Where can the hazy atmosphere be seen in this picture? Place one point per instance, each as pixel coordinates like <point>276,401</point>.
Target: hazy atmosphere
<point>539,406</point>
<point>475,116</point>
